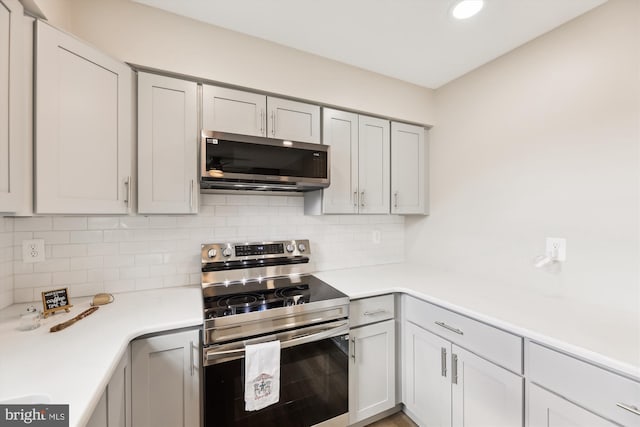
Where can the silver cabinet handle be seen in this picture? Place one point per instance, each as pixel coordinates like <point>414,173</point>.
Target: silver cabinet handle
<point>191,357</point>
<point>191,196</point>
<point>443,361</point>
<point>353,353</point>
<point>395,199</point>
<point>362,198</point>
<point>451,328</point>
<point>374,312</point>
<point>261,122</point>
<point>127,191</point>
<point>454,368</point>
<point>273,123</point>
<point>631,408</point>
<point>355,199</point>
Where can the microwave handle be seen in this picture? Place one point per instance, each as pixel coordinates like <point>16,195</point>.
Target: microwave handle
<point>343,328</point>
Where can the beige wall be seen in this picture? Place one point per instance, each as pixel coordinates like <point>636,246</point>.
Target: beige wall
<point>142,35</point>
<point>543,141</point>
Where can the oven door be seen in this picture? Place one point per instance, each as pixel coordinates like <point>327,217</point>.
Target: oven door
<point>314,380</point>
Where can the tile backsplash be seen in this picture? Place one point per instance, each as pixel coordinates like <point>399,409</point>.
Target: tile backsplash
<point>6,261</point>
<point>91,254</point>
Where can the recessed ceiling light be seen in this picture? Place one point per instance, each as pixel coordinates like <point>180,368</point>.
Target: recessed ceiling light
<point>467,8</point>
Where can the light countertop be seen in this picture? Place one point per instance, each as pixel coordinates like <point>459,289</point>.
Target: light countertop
<point>74,365</point>
<point>599,334</point>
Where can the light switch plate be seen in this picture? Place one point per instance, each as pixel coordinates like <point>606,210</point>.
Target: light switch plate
<point>33,250</point>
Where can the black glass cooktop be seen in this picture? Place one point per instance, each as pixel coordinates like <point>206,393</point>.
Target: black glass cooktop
<point>267,294</point>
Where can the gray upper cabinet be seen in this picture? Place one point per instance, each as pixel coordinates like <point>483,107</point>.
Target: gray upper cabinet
<point>12,111</point>
<point>248,113</point>
<point>408,169</point>
<point>360,166</point>
<point>83,122</point>
<point>234,111</point>
<point>293,120</point>
<point>167,145</point>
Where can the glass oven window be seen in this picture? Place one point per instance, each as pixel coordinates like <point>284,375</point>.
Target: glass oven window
<point>256,159</point>
<point>314,387</point>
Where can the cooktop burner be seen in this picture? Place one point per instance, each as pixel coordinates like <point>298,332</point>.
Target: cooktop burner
<point>257,300</point>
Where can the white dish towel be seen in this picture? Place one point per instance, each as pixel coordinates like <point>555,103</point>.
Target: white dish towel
<point>262,375</point>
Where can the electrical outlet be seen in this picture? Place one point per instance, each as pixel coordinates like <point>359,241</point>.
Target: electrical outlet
<point>557,248</point>
<point>375,237</point>
<point>33,250</point>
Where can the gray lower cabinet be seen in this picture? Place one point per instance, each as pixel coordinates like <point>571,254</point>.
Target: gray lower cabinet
<point>114,407</point>
<point>166,380</point>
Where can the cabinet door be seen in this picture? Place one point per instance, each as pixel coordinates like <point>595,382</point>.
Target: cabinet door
<point>11,104</point>
<point>340,130</point>
<point>372,370</point>
<point>427,378</point>
<point>293,120</point>
<point>373,165</point>
<point>83,127</point>
<point>234,111</point>
<point>114,407</point>
<point>408,167</point>
<point>165,380</point>
<point>549,410</point>
<point>167,145</point>
<point>484,394</point>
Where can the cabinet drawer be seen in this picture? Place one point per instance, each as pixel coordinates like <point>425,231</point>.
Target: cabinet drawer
<point>590,386</point>
<point>493,344</point>
<point>369,310</point>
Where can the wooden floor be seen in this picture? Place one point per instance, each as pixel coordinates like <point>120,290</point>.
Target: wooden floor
<point>398,419</point>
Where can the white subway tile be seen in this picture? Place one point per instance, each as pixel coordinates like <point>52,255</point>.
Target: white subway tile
<point>70,223</point>
<point>102,249</point>
<point>134,272</point>
<point>33,224</point>
<point>103,222</point>
<point>147,283</point>
<point>111,261</point>
<point>31,280</point>
<point>51,265</point>
<point>69,277</point>
<point>134,247</point>
<point>20,267</point>
<point>227,211</point>
<point>19,236</point>
<point>116,286</point>
<point>212,199</point>
<point>85,263</point>
<point>70,250</point>
<point>52,237</point>
<point>133,222</point>
<point>25,295</point>
<point>118,236</point>
<point>148,259</point>
<point>93,236</point>
<point>163,222</point>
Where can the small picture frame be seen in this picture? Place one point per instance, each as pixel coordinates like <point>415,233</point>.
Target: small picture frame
<point>55,300</point>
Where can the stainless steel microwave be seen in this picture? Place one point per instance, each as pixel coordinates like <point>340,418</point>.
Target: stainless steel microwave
<point>242,162</point>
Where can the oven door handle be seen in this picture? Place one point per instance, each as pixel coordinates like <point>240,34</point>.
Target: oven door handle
<point>212,356</point>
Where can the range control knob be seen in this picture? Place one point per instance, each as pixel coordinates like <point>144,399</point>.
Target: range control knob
<point>212,253</point>
<point>302,247</point>
<point>290,247</point>
<point>226,252</point>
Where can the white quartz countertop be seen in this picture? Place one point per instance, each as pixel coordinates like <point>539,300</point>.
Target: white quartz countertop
<point>74,365</point>
<point>599,334</point>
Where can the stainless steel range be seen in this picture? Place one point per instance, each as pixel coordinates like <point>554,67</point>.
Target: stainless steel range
<point>258,292</point>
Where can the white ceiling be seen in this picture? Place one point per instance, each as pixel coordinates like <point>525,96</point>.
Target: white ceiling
<point>412,40</point>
